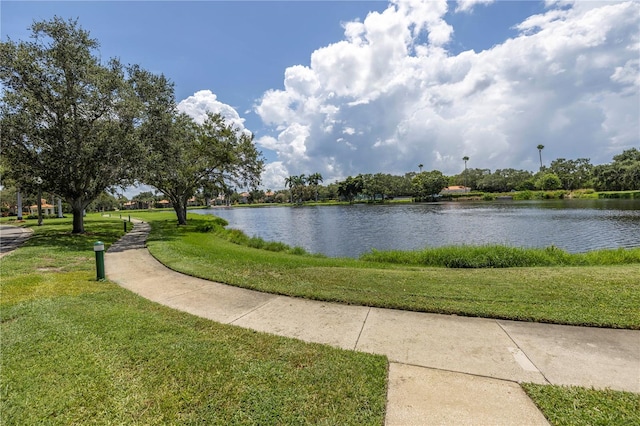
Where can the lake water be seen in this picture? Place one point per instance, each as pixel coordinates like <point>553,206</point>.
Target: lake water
<point>348,231</point>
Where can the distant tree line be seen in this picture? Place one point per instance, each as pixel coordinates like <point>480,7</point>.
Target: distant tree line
<point>622,174</point>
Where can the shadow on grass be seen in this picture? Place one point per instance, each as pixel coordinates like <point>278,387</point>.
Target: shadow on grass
<point>60,236</point>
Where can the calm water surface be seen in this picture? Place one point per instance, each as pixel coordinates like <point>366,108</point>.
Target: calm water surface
<point>348,231</point>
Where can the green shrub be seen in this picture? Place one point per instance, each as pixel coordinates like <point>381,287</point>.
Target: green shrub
<point>523,195</point>
<point>298,251</point>
<point>205,227</point>
<point>238,237</point>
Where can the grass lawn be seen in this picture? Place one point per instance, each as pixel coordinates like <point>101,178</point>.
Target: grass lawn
<point>572,405</point>
<point>603,296</point>
<point>77,351</point>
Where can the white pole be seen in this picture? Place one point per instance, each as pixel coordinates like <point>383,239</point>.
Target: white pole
<point>59,207</point>
<point>19,205</point>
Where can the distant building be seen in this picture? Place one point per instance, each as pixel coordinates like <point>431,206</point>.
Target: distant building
<point>47,209</point>
<point>455,189</point>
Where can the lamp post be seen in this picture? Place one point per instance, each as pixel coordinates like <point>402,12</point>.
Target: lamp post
<point>98,248</point>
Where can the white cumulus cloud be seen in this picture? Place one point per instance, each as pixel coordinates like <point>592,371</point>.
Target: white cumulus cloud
<point>274,175</point>
<point>468,5</point>
<point>203,102</point>
<point>390,96</point>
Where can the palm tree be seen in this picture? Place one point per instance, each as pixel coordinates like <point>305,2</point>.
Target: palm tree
<point>295,184</point>
<point>314,180</point>
<point>298,185</point>
<point>420,166</point>
<point>465,159</point>
<point>540,148</point>
<point>289,182</point>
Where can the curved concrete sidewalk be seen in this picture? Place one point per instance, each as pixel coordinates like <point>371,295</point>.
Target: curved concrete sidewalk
<point>444,369</point>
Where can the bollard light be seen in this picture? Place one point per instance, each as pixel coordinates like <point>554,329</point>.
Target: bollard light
<point>98,247</point>
<point>125,225</point>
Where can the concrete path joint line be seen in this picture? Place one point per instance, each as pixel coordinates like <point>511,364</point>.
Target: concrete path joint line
<point>255,309</point>
<point>362,329</point>
<point>447,370</point>
<point>522,353</point>
<point>178,295</point>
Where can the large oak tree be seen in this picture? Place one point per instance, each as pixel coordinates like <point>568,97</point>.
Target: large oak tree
<point>67,120</point>
<point>182,156</point>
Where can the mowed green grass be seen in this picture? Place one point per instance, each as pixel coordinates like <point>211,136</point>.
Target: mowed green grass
<point>603,296</point>
<point>78,351</point>
<point>573,405</point>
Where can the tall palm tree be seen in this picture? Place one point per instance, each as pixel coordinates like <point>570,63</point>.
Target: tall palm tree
<point>465,159</point>
<point>295,183</point>
<point>288,182</point>
<point>420,166</point>
<point>314,180</point>
<point>298,185</point>
<point>540,148</point>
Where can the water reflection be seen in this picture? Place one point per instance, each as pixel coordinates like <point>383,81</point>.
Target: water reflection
<point>348,231</point>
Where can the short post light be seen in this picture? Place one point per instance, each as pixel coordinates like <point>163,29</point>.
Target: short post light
<point>98,247</point>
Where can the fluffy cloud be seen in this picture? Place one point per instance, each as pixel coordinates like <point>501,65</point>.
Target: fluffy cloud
<point>468,5</point>
<point>274,175</point>
<point>203,102</point>
<point>390,95</point>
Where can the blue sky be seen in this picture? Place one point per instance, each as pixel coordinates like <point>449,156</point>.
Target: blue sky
<point>343,88</point>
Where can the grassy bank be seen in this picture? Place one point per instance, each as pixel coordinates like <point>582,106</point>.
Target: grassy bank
<point>622,195</point>
<point>604,296</point>
<point>496,256</point>
<point>78,351</point>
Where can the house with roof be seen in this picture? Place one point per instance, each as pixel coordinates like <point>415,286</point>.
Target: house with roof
<point>47,209</point>
<point>455,189</point>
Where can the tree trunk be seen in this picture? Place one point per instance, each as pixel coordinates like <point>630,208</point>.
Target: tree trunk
<point>77,208</point>
<point>181,211</point>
